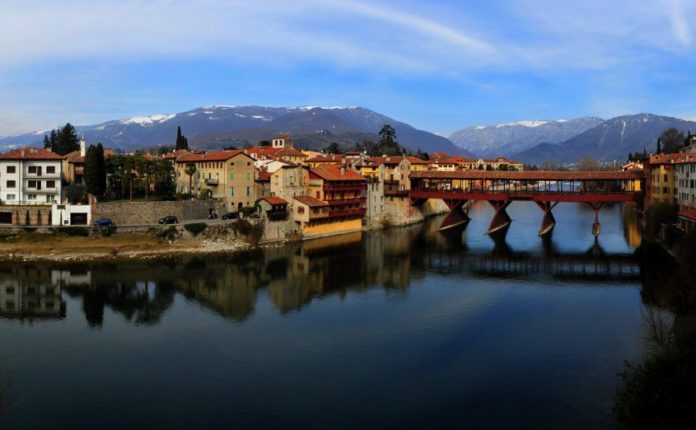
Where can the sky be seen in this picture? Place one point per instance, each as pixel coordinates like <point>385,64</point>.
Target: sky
<point>438,65</point>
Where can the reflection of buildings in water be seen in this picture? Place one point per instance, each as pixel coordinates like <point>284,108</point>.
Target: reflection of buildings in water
<point>631,225</point>
<point>28,292</point>
<point>230,290</point>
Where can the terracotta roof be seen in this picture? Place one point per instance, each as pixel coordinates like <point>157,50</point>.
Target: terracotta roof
<point>275,200</point>
<point>531,175</point>
<point>30,154</point>
<point>333,158</point>
<point>416,160</point>
<point>263,175</point>
<point>194,157</point>
<point>667,158</point>
<point>263,151</point>
<point>176,154</point>
<point>311,201</point>
<point>74,157</point>
<point>332,172</point>
<point>691,214</point>
<point>289,152</point>
<point>390,160</point>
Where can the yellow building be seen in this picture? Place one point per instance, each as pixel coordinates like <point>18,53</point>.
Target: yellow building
<point>660,175</point>
<point>225,175</point>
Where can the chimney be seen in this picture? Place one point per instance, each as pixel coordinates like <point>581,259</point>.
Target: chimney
<point>83,150</point>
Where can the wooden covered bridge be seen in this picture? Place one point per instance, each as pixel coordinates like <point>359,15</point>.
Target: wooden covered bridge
<point>545,188</point>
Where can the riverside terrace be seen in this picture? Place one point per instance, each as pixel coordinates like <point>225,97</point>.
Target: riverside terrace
<point>545,188</point>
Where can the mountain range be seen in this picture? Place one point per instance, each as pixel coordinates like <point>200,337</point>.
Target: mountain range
<point>313,127</point>
<point>511,138</point>
<point>611,140</point>
<point>213,127</point>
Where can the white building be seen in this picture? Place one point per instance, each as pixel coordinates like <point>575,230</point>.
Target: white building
<point>685,180</point>
<point>30,176</point>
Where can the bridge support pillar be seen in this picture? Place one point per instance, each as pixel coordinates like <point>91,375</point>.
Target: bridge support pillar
<point>596,226</point>
<point>548,222</point>
<point>501,220</point>
<point>456,217</point>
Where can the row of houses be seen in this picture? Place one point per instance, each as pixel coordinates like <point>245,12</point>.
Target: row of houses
<point>671,179</point>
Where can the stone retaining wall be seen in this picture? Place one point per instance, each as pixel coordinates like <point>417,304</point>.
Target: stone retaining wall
<point>151,212</point>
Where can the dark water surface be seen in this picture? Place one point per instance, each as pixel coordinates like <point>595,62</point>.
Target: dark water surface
<point>400,328</point>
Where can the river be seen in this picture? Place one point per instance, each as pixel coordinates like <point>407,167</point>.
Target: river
<point>399,328</point>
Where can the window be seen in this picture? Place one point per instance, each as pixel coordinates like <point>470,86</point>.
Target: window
<point>32,169</point>
<point>11,184</point>
<point>300,210</point>
<point>50,198</point>
<point>248,176</point>
<point>231,192</point>
<point>50,184</point>
<point>31,184</point>
<point>31,197</point>
<point>11,197</point>
<point>51,169</point>
<point>11,169</point>
<point>248,191</point>
<point>231,176</point>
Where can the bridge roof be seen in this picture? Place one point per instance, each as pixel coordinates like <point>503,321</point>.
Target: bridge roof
<point>532,175</point>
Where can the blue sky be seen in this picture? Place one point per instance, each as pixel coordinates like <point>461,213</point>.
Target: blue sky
<point>438,65</point>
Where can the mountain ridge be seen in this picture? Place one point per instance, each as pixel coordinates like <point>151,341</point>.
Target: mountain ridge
<point>217,126</point>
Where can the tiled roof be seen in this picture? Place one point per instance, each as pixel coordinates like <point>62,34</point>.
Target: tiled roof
<point>194,157</point>
<point>275,200</point>
<point>263,175</point>
<point>333,158</point>
<point>531,175</point>
<point>390,160</point>
<point>332,172</point>
<point>31,154</point>
<point>289,152</point>
<point>416,160</point>
<point>263,151</point>
<point>176,154</point>
<point>311,201</point>
<point>668,158</point>
<point>691,214</point>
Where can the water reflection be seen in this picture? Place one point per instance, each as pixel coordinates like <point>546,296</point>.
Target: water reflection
<point>294,275</point>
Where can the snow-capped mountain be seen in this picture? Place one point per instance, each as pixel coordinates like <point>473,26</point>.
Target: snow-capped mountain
<point>611,140</point>
<point>510,138</point>
<point>219,126</point>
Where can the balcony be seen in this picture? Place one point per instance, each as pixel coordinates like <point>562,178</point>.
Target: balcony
<point>42,175</point>
<point>346,202</point>
<point>212,181</point>
<point>351,186</point>
<point>348,213</point>
<point>277,215</point>
<point>396,193</point>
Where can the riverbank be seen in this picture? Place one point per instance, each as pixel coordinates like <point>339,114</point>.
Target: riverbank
<point>60,248</point>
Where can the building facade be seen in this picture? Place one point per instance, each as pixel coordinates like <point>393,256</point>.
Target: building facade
<point>30,176</point>
<point>685,179</point>
<point>227,175</point>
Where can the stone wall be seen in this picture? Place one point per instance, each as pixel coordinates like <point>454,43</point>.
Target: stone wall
<point>151,212</point>
<point>25,215</point>
<point>398,210</point>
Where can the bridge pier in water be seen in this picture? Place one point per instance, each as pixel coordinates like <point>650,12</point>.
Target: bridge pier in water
<point>457,215</point>
<point>548,222</point>
<point>596,226</point>
<point>501,220</point>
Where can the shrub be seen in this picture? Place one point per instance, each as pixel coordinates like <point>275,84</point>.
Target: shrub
<point>658,214</point>
<point>29,229</point>
<point>168,234</point>
<point>71,231</point>
<point>195,228</point>
<point>107,230</point>
<point>248,210</point>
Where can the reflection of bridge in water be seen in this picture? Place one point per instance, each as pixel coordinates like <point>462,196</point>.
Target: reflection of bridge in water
<point>593,265</point>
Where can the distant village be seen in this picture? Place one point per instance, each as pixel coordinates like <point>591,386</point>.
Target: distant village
<point>316,193</point>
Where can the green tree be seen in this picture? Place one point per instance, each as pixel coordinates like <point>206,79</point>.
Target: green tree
<point>333,148</point>
<point>190,171</point>
<point>95,170</point>
<point>671,140</point>
<point>388,144</point>
<point>62,141</point>
<point>181,141</point>
<point>101,169</point>
<point>164,179</point>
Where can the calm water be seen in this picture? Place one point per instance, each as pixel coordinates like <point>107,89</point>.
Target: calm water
<point>400,328</point>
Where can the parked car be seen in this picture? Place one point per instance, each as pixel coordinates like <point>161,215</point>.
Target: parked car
<point>169,219</point>
<point>103,222</point>
<point>230,215</point>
